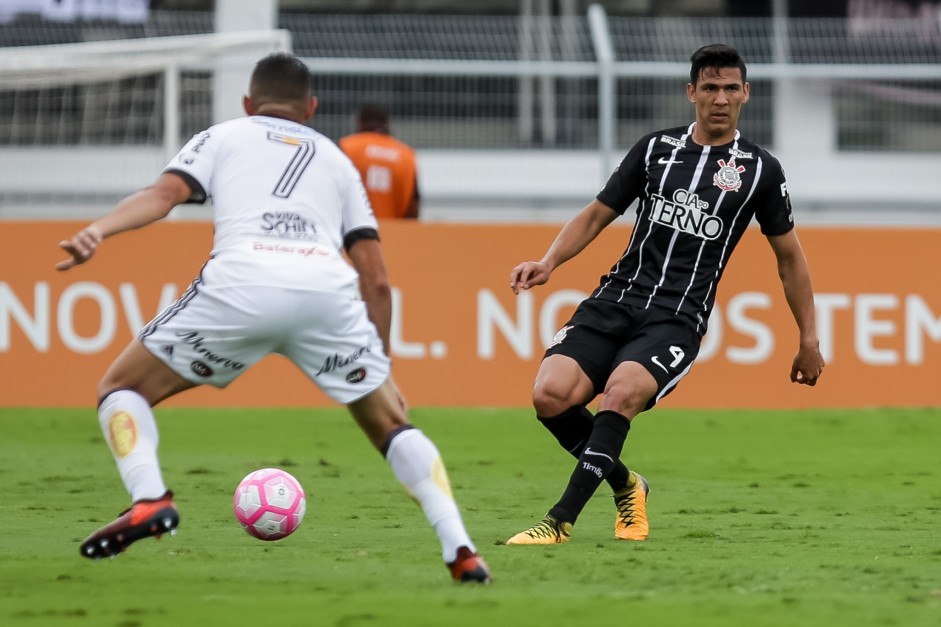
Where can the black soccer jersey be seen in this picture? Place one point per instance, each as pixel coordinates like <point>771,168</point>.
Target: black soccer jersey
<point>695,203</point>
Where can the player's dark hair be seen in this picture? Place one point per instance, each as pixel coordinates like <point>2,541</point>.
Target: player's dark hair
<point>373,117</point>
<point>714,57</point>
<point>280,77</point>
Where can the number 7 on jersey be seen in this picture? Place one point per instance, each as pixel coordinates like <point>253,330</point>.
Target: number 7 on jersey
<point>295,168</point>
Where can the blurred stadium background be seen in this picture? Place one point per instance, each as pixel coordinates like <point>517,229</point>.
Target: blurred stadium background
<point>519,109</point>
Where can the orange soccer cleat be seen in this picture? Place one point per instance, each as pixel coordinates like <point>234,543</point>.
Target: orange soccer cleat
<point>145,518</point>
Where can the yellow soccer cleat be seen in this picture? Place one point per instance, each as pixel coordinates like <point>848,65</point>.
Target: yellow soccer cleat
<point>546,531</point>
<point>631,520</point>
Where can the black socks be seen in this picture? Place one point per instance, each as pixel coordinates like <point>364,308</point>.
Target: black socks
<point>595,462</point>
<point>572,428</point>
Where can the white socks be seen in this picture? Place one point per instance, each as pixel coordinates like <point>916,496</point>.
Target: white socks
<point>129,427</point>
<point>417,464</point>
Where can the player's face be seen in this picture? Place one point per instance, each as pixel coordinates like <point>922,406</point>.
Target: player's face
<point>718,97</point>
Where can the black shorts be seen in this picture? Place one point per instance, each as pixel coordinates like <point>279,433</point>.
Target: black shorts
<point>604,334</point>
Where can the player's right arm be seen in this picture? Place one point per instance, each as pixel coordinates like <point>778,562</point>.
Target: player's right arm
<point>139,209</point>
<point>571,240</point>
<point>624,185</point>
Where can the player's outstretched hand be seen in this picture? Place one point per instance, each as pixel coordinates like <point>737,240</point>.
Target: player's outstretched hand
<point>528,274</point>
<point>81,247</point>
<point>807,366</point>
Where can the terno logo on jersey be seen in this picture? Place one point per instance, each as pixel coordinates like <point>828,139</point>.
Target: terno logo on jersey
<point>686,213</point>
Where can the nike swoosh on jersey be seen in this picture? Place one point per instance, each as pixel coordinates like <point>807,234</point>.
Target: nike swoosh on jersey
<point>665,161</point>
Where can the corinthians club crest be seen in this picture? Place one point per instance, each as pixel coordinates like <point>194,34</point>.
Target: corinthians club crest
<point>728,178</point>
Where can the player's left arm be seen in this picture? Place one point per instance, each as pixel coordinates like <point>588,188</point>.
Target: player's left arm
<point>141,208</point>
<point>366,256</point>
<point>794,272</point>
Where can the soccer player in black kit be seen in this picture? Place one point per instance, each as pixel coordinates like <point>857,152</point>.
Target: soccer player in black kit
<point>639,332</point>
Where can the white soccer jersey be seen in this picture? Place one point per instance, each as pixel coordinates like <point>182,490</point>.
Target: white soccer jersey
<point>279,190</point>
<point>284,199</point>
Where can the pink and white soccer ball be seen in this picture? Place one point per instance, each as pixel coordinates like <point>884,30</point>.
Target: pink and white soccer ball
<point>269,504</point>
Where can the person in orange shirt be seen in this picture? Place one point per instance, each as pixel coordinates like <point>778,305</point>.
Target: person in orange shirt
<point>387,165</point>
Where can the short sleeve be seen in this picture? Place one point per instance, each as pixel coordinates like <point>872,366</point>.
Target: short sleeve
<point>628,180</point>
<point>195,162</point>
<point>773,203</point>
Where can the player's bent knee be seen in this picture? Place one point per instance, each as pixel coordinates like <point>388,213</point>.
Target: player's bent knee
<point>553,395</point>
<point>550,400</point>
<point>549,408</point>
<point>560,384</point>
<point>625,400</point>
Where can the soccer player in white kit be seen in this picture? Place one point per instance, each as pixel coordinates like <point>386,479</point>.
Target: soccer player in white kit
<point>286,201</point>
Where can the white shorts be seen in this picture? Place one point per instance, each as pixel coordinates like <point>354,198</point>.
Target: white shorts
<point>215,332</point>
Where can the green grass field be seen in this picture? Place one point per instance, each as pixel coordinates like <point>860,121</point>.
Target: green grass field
<point>828,518</point>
